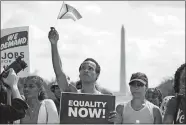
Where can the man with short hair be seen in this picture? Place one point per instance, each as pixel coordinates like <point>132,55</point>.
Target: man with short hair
<point>89,70</point>
<point>138,110</point>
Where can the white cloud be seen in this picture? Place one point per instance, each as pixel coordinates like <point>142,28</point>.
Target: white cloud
<point>91,31</point>
<point>36,32</point>
<point>159,20</point>
<point>173,20</point>
<point>146,44</point>
<point>93,9</point>
<point>165,19</point>
<point>175,32</point>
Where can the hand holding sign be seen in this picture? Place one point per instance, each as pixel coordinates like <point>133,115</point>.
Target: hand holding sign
<point>115,117</point>
<point>53,35</point>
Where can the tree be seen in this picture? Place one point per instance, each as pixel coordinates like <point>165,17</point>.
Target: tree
<point>166,87</point>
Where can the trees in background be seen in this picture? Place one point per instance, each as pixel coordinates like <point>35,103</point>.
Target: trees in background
<point>166,87</point>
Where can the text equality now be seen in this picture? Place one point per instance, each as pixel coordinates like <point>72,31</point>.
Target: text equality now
<point>87,103</point>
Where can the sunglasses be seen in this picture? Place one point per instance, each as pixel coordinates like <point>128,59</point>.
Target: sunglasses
<point>136,84</point>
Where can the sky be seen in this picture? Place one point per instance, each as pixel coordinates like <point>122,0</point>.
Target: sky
<point>154,37</point>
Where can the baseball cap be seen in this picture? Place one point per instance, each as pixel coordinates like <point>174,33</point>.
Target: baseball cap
<point>140,77</point>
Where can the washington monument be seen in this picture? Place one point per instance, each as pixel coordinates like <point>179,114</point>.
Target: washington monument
<point>123,86</point>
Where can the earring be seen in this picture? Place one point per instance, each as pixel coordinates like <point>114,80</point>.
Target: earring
<point>39,94</point>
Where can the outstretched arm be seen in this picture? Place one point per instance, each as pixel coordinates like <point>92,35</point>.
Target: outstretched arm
<point>57,65</point>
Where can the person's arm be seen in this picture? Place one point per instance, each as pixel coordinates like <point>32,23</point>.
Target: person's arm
<point>17,109</point>
<point>14,112</point>
<point>12,81</point>
<point>157,115</point>
<point>170,111</point>
<point>57,65</point>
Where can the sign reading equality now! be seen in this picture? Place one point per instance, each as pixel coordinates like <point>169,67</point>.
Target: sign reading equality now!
<point>86,108</point>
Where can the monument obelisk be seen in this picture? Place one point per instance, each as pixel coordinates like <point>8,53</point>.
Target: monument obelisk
<point>123,86</point>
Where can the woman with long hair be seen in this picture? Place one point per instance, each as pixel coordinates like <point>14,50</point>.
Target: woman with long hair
<point>41,109</point>
<point>175,112</point>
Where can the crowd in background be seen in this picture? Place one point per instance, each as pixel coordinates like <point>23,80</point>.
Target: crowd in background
<point>147,104</point>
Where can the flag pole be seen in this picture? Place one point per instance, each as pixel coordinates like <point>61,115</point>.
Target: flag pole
<point>56,22</point>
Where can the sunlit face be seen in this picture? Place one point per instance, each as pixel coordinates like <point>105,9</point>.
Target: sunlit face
<point>57,92</point>
<point>182,83</point>
<point>30,89</point>
<point>88,72</point>
<point>137,89</point>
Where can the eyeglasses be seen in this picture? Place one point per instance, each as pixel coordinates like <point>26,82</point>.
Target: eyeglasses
<point>136,84</point>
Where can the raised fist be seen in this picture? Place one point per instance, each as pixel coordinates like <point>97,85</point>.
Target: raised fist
<point>53,35</point>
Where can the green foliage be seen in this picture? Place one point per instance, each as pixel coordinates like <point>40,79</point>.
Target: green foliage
<point>166,87</point>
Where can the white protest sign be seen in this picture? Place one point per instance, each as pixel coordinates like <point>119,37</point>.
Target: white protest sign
<point>14,43</point>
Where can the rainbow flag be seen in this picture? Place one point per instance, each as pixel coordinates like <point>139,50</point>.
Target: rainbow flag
<point>68,12</point>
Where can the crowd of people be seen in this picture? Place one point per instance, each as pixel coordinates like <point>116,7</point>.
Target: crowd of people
<point>147,105</point>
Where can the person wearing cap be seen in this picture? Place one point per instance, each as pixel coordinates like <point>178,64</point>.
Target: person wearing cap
<point>138,110</point>
<point>56,90</point>
<point>89,70</point>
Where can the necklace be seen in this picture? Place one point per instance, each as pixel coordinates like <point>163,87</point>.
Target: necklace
<point>32,112</point>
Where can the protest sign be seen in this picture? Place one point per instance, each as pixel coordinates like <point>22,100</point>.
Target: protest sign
<point>86,108</point>
<point>14,43</point>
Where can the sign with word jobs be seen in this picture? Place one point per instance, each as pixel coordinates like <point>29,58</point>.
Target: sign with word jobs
<point>86,108</point>
<point>14,43</point>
